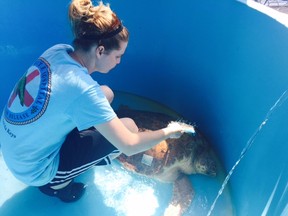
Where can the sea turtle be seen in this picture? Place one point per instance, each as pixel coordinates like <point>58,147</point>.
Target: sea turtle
<point>171,160</point>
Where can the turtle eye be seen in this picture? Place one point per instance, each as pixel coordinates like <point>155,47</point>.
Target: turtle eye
<point>201,167</point>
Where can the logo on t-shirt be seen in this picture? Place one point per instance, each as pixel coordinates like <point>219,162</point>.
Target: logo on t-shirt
<point>30,96</point>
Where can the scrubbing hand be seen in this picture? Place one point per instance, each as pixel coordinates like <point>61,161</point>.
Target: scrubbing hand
<point>180,127</point>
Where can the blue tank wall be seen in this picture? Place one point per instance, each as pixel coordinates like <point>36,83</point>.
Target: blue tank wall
<point>219,63</point>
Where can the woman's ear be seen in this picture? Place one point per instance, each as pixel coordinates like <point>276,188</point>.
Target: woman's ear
<point>100,50</point>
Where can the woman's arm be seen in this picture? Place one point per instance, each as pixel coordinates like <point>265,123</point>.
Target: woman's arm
<point>130,142</point>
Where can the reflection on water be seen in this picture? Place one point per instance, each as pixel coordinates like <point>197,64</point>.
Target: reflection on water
<point>206,188</point>
<point>127,195</point>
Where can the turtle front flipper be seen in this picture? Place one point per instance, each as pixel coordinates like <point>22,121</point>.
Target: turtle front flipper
<point>182,197</point>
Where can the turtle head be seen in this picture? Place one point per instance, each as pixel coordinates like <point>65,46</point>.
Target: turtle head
<point>205,164</point>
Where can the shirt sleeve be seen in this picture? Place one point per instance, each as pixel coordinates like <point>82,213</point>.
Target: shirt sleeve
<point>91,108</point>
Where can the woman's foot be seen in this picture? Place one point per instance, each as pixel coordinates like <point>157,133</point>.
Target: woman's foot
<point>72,192</point>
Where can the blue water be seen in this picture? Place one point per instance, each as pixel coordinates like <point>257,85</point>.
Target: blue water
<point>220,64</point>
<point>112,190</point>
<point>206,188</point>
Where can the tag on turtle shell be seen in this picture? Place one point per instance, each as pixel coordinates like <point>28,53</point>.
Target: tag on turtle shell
<point>147,160</point>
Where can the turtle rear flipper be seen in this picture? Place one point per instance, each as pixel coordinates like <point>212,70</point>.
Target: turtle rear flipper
<point>183,194</point>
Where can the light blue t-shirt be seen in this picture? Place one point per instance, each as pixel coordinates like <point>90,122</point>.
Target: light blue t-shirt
<point>54,96</point>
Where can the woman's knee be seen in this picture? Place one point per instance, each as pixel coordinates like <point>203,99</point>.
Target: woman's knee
<point>108,93</point>
<point>130,124</point>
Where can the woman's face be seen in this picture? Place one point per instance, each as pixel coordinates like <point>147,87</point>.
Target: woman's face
<point>106,61</point>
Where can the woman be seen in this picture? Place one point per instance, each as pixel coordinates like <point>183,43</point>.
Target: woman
<point>57,116</point>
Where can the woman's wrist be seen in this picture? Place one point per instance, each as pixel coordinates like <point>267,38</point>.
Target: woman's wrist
<point>172,131</point>
<point>175,129</point>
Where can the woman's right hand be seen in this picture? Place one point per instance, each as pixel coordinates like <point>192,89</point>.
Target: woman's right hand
<point>176,129</point>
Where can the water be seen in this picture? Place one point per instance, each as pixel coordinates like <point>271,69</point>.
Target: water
<point>250,142</point>
<point>112,190</point>
<point>206,188</point>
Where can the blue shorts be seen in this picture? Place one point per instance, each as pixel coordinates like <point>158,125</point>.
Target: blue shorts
<point>81,151</point>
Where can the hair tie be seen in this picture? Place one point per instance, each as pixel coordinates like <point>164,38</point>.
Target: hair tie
<point>104,35</point>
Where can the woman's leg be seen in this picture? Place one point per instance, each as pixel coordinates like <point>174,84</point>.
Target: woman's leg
<point>108,93</point>
<point>81,151</point>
